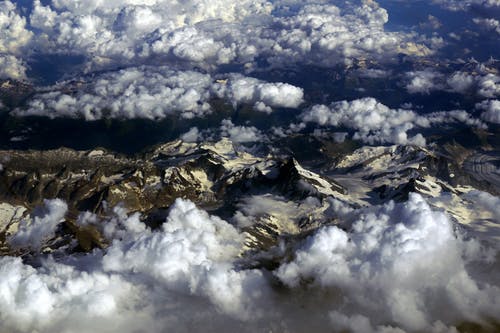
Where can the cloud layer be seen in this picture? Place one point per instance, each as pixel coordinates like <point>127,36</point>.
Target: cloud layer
<point>374,274</point>
<point>155,92</point>
<point>383,267</point>
<point>491,110</point>
<point>483,84</point>
<point>33,232</point>
<point>145,281</point>
<point>198,34</point>
<point>374,122</point>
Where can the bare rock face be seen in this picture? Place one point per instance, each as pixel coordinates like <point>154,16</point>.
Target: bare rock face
<point>214,176</point>
<point>10,215</point>
<point>391,173</point>
<point>220,176</point>
<point>202,173</point>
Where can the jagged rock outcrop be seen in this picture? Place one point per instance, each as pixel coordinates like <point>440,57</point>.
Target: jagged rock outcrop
<point>219,176</point>
<point>214,176</point>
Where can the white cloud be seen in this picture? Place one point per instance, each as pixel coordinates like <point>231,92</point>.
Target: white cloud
<point>460,82</point>
<point>486,201</point>
<point>124,32</point>
<point>145,281</point>
<point>481,83</point>
<point>489,86</point>
<point>423,81</point>
<point>193,135</point>
<point>326,34</point>
<point>13,33</point>
<point>491,111</point>
<point>466,4</point>
<point>14,37</point>
<point>285,215</point>
<point>12,68</point>
<point>263,95</point>
<point>373,73</point>
<point>374,122</point>
<point>192,254</point>
<point>484,84</point>
<point>382,266</point>
<point>191,275</point>
<point>40,227</point>
<point>489,24</point>
<point>132,93</point>
<point>200,34</point>
<point>371,120</point>
<point>155,92</point>
<point>240,134</point>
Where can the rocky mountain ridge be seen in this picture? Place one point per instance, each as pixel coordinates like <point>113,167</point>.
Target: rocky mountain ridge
<point>220,176</point>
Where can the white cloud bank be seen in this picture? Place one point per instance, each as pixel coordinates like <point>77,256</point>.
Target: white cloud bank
<point>189,276</point>
<point>401,264</point>
<point>201,34</point>
<point>14,36</point>
<point>155,92</point>
<point>263,95</point>
<point>425,81</point>
<point>240,134</point>
<point>466,4</point>
<point>12,68</point>
<point>145,281</point>
<point>124,32</point>
<point>132,93</point>
<point>491,110</point>
<point>489,24</point>
<point>33,232</point>
<point>374,122</point>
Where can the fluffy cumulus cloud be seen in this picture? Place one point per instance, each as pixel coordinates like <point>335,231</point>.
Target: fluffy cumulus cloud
<point>34,231</point>
<point>328,34</point>
<point>485,85</point>
<point>489,85</point>
<point>423,81</point>
<point>486,201</point>
<point>205,34</point>
<point>491,111</point>
<point>193,135</point>
<point>13,39</point>
<point>240,134</point>
<point>461,82</point>
<point>322,33</point>
<point>190,275</point>
<point>374,122</point>
<point>466,4</point>
<point>131,93</point>
<point>13,32</point>
<point>12,68</point>
<point>489,24</point>
<point>263,95</point>
<point>382,266</point>
<point>193,253</point>
<point>481,82</point>
<point>155,92</point>
<point>145,281</point>
<point>124,32</point>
